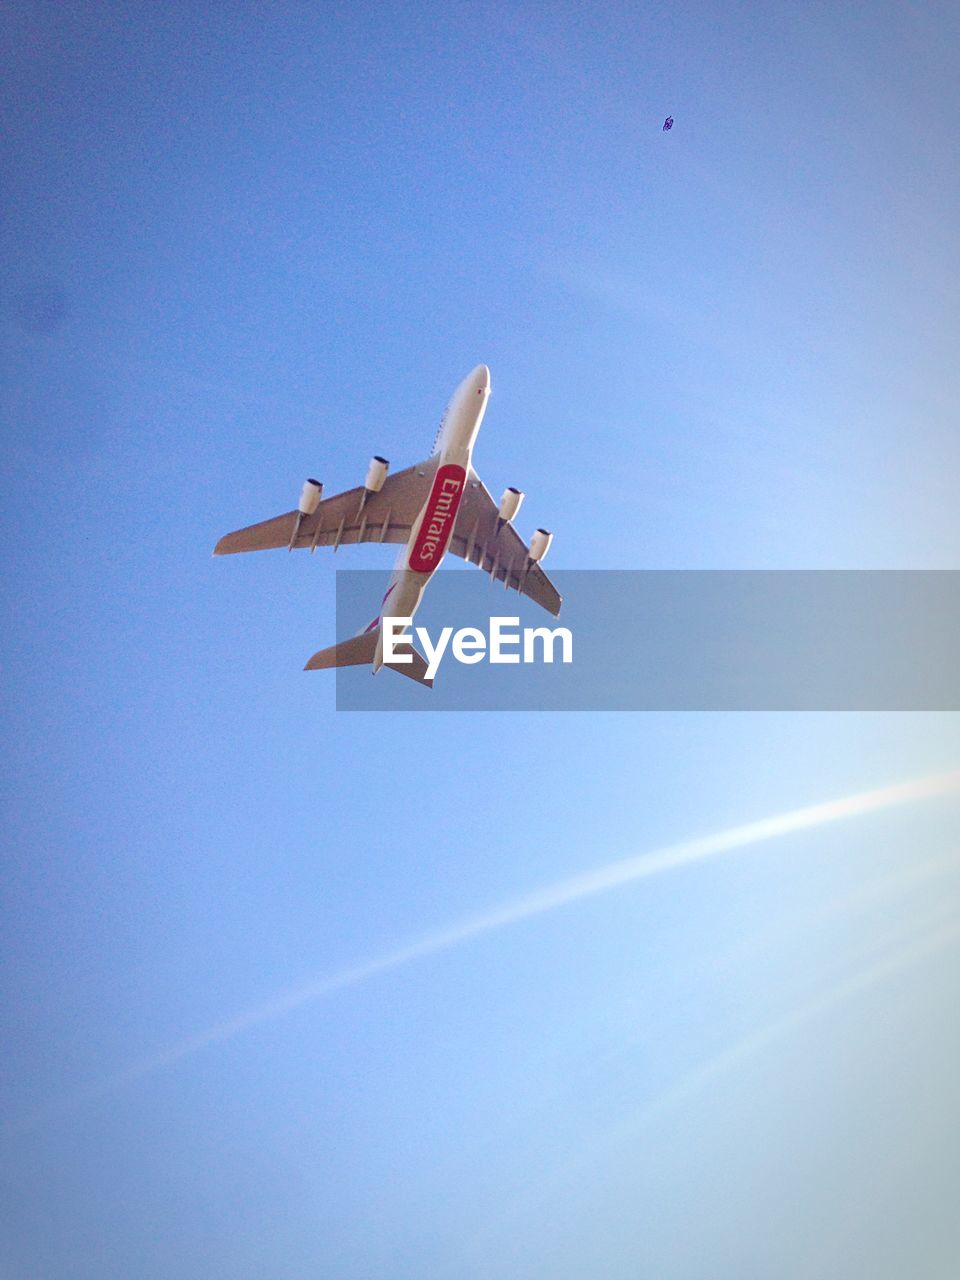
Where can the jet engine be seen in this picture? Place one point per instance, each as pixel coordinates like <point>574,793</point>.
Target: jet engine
<point>310,496</point>
<point>540,545</point>
<point>509,505</point>
<point>376,474</point>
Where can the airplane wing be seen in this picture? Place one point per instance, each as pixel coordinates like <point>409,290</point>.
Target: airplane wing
<point>387,516</point>
<point>501,552</point>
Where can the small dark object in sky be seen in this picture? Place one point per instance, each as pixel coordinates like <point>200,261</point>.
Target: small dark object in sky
<point>668,124</point>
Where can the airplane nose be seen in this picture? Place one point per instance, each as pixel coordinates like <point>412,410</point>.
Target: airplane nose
<point>474,385</point>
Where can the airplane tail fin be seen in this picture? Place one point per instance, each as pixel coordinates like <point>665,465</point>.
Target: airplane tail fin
<point>360,650</point>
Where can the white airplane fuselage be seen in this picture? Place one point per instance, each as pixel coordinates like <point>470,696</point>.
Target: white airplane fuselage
<point>433,527</point>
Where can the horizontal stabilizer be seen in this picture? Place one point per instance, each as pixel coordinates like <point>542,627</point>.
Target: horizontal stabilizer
<point>362,649</point>
<point>348,653</point>
<point>416,670</point>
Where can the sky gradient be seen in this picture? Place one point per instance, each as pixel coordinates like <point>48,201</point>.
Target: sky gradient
<point>242,245</point>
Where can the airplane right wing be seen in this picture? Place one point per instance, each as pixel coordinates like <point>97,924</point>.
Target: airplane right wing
<point>349,517</point>
<point>480,537</point>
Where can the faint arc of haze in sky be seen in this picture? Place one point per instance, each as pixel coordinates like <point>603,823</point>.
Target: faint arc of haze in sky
<point>538,902</point>
<point>923,946</point>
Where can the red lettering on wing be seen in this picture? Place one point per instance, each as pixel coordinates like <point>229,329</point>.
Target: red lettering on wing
<point>439,517</point>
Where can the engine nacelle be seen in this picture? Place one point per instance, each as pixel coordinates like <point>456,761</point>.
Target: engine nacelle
<point>509,504</point>
<point>540,545</point>
<point>376,474</point>
<point>310,496</point>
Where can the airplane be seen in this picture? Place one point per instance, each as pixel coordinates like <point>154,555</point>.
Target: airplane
<point>431,508</point>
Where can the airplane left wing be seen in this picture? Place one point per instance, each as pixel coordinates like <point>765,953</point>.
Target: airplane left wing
<point>353,516</point>
<point>497,548</point>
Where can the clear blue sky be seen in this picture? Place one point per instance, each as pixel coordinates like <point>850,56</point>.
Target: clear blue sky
<point>245,244</point>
